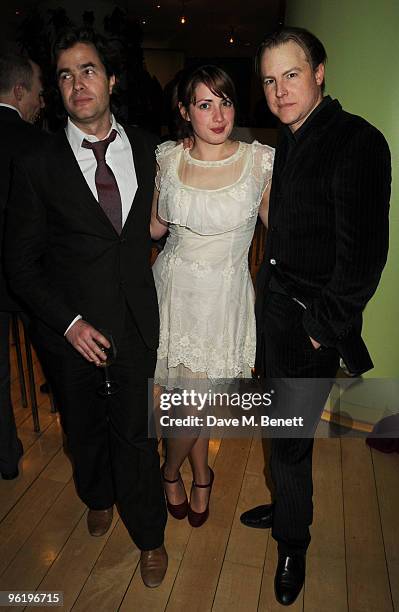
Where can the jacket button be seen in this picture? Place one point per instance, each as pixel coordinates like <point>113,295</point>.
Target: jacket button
<point>273,262</point>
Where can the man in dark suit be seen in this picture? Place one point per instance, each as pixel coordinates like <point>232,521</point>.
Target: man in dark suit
<point>78,254</point>
<point>326,248</point>
<point>20,104</point>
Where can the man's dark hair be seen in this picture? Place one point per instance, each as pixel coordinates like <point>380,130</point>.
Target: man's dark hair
<point>309,43</point>
<point>73,36</point>
<point>15,69</point>
<point>216,79</point>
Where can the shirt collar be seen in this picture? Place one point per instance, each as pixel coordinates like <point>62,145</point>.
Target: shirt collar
<point>76,136</point>
<point>12,108</point>
<point>295,136</point>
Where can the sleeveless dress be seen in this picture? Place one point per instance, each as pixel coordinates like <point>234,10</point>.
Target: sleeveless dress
<point>205,292</point>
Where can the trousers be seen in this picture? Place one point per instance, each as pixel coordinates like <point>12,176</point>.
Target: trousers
<point>113,459</point>
<point>289,353</point>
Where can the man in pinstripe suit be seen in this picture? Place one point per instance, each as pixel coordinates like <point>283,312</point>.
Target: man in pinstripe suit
<point>326,248</point>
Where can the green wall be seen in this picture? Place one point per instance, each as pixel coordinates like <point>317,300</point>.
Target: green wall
<point>361,39</point>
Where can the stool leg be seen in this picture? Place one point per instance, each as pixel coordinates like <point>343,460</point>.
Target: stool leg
<point>53,407</point>
<point>31,378</point>
<point>17,342</point>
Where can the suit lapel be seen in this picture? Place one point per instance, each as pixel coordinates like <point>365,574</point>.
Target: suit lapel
<point>307,143</point>
<point>75,181</point>
<point>73,177</point>
<point>315,128</point>
<point>278,171</point>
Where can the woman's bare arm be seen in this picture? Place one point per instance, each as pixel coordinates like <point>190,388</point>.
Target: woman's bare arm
<point>264,205</point>
<point>158,228</point>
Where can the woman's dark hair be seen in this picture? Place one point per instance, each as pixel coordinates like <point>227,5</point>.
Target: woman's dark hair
<point>73,36</point>
<point>309,43</point>
<point>216,79</point>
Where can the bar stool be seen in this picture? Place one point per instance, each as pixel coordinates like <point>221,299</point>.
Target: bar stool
<point>15,318</point>
<point>20,367</point>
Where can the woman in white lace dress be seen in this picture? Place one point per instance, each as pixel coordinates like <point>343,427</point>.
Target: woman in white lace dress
<point>209,198</point>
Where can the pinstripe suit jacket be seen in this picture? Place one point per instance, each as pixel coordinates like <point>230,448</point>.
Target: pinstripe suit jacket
<point>328,226</point>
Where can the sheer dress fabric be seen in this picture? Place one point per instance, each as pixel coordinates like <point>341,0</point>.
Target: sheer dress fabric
<point>205,292</point>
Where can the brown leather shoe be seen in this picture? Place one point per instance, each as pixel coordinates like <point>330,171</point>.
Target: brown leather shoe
<point>99,521</point>
<point>153,566</point>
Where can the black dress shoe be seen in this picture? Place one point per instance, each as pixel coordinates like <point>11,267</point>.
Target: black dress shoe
<point>14,473</point>
<point>260,517</point>
<point>289,579</point>
<point>10,475</point>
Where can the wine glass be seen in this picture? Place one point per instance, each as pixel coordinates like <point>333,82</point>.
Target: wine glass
<point>109,386</point>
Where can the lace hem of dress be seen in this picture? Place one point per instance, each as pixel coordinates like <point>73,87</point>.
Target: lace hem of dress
<point>196,362</point>
<point>181,376</point>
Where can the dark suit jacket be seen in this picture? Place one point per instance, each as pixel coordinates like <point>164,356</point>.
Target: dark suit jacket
<point>328,226</point>
<point>16,137</point>
<point>63,256</point>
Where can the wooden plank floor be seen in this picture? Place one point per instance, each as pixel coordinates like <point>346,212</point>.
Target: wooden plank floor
<point>353,560</point>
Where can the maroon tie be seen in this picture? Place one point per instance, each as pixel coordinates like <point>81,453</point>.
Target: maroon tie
<point>109,197</point>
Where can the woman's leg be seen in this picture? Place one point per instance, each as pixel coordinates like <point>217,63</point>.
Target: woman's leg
<point>195,448</point>
<point>177,451</point>
<point>197,451</point>
<point>198,458</point>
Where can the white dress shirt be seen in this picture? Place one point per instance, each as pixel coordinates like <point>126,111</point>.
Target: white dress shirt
<point>119,157</point>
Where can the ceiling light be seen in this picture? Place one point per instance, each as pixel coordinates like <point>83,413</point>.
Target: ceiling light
<point>183,16</point>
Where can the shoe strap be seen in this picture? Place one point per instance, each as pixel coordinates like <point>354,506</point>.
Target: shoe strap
<point>167,479</point>
<point>194,484</point>
<point>201,486</point>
